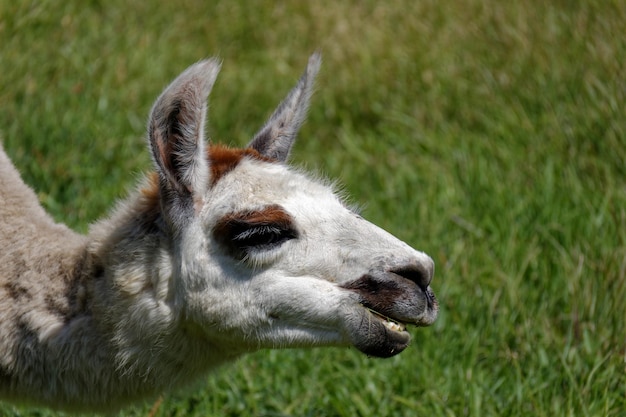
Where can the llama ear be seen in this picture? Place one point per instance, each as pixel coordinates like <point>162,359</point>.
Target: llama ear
<point>176,129</point>
<point>275,139</point>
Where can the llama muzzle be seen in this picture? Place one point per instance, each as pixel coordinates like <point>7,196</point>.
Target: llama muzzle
<point>392,299</point>
<point>398,294</point>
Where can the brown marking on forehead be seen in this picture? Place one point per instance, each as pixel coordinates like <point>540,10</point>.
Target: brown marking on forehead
<point>223,159</point>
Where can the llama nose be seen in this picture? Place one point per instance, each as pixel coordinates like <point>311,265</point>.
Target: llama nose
<point>420,273</point>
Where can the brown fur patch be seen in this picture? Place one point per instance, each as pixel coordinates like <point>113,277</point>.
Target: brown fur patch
<point>151,191</point>
<point>223,159</point>
<point>269,215</point>
<point>16,291</point>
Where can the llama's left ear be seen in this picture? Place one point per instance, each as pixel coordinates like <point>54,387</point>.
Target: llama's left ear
<point>176,129</point>
<point>275,139</point>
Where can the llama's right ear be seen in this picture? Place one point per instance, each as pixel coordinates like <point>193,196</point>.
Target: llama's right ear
<point>176,129</point>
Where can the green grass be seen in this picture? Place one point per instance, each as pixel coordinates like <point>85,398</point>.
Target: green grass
<point>491,135</point>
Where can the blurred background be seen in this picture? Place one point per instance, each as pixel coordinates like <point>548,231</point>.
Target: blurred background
<point>491,135</point>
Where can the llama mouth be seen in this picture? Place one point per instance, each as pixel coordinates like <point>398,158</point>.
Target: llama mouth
<point>389,323</point>
<point>388,303</point>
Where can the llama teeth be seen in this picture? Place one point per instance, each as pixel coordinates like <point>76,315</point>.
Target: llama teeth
<point>396,327</point>
<point>388,323</point>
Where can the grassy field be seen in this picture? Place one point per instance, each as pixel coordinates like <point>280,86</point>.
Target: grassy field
<point>491,135</point>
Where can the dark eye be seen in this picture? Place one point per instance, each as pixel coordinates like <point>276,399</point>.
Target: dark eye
<point>246,233</point>
<point>246,238</point>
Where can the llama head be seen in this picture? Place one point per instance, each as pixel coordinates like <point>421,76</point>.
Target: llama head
<point>265,256</point>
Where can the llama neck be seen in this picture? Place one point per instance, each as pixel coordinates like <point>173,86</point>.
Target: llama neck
<point>151,346</point>
<point>106,331</point>
<point>154,343</point>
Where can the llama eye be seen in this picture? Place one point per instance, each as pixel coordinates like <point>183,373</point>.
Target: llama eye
<point>247,233</point>
<point>261,237</point>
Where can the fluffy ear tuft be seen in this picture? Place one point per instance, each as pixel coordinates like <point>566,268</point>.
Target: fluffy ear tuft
<point>275,139</point>
<point>176,129</point>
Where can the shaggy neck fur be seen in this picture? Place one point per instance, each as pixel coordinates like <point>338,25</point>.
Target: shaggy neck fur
<point>97,289</point>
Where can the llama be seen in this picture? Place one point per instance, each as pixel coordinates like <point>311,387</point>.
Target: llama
<point>219,252</point>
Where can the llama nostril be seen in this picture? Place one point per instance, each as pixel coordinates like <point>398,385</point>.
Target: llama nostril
<point>421,274</point>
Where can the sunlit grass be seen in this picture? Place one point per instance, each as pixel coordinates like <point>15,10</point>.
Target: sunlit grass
<point>491,135</point>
